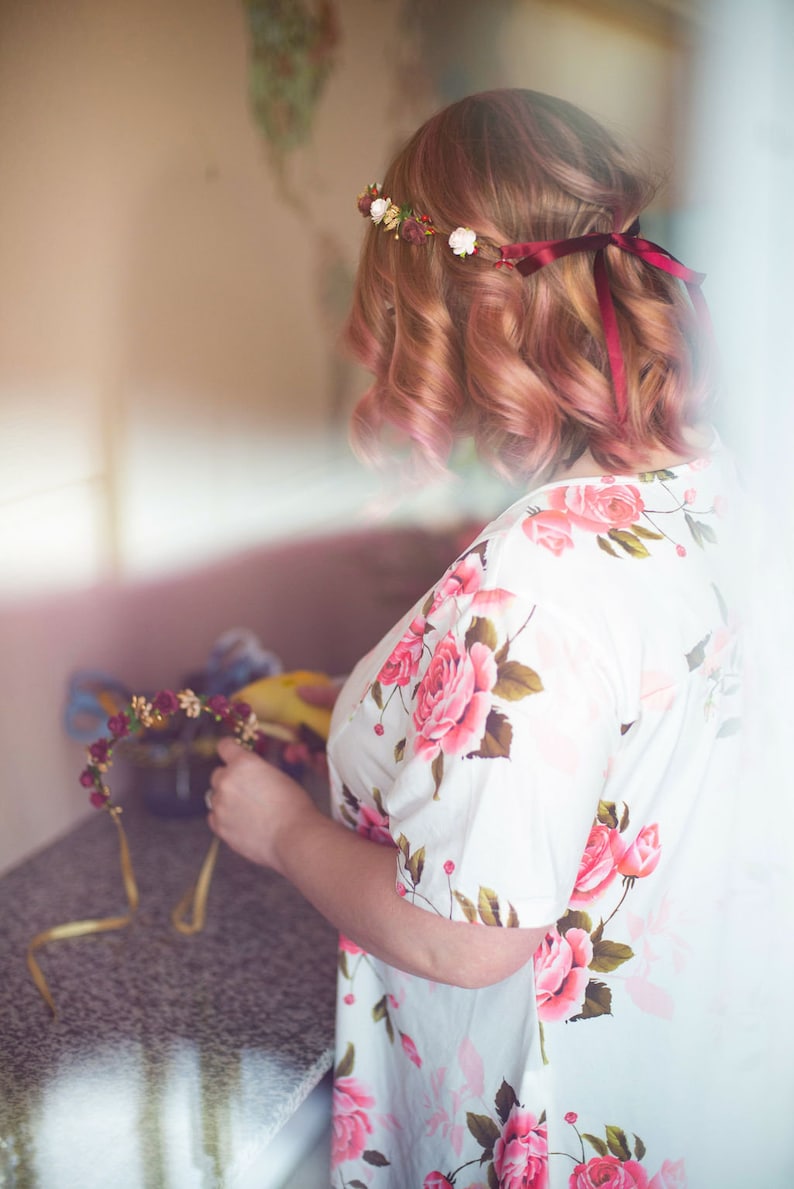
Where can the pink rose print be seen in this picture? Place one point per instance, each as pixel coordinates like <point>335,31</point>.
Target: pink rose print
<point>641,858</point>
<point>404,660</point>
<point>373,825</point>
<point>465,579</point>
<point>454,699</point>
<point>551,529</point>
<point>599,506</point>
<point>598,865</point>
<point>350,1125</point>
<point>607,1172</point>
<point>561,974</point>
<point>521,1153</point>
<point>349,946</point>
<point>436,1180</point>
<point>670,1176</point>
<point>409,1048</point>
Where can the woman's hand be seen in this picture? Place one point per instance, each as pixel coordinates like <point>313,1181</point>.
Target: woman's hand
<point>254,804</point>
<point>268,818</point>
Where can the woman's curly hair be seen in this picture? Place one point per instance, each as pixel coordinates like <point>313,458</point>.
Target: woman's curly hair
<point>458,347</point>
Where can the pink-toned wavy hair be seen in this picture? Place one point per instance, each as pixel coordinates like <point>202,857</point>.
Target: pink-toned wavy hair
<point>457,347</point>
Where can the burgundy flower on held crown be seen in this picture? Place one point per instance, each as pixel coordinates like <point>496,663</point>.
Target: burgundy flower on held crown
<point>165,701</point>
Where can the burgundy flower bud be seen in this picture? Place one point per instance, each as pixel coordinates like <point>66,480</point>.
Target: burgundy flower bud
<point>119,725</point>
<point>412,232</point>
<point>166,701</point>
<point>99,800</point>
<point>364,203</point>
<point>241,708</point>
<point>218,704</point>
<point>87,778</point>
<point>100,751</point>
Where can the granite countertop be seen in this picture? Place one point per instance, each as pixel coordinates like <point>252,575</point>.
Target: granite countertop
<point>174,1060</point>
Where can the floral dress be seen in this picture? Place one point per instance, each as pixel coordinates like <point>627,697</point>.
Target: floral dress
<point>547,740</point>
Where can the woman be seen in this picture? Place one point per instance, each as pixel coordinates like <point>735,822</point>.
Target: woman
<point>531,774</point>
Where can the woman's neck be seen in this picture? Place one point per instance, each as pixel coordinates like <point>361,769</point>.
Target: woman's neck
<point>698,441</point>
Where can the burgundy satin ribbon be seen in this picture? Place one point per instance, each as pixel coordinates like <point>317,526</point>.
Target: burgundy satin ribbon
<point>534,256</point>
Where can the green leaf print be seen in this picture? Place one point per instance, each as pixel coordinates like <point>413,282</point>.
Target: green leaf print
<point>574,918</point>
<point>696,657</point>
<point>505,1100</point>
<point>484,1131</point>
<point>399,751</point>
<point>628,542</point>
<point>376,1158</point>
<point>381,1012</point>
<point>493,1180</point>
<point>437,772</point>
<point>481,631</point>
<point>416,864</point>
<point>652,476</point>
<point>608,955</point>
<point>342,963</point>
<point>468,906</point>
<point>721,604</point>
<point>488,907</point>
<point>512,917</point>
<point>604,544</point>
<point>597,1001</point>
<point>646,533</point>
<point>639,1148</point>
<point>617,1143</point>
<point>700,532</point>
<point>596,1143</point>
<point>496,740</point>
<point>515,681</point>
<point>731,726</point>
<point>607,814</point>
<point>345,1066</point>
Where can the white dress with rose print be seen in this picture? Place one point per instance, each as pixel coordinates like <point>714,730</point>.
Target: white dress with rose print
<point>549,739</point>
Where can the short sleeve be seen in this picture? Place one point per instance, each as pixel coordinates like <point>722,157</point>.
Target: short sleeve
<point>510,727</point>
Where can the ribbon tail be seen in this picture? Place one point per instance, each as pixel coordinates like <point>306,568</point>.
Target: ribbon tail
<point>88,927</point>
<point>195,898</point>
<point>612,336</point>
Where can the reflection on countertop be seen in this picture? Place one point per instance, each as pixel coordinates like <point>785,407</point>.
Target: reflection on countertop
<point>173,1060</point>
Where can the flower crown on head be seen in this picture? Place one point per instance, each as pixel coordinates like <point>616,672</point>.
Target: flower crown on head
<point>529,257</point>
<point>407,224</point>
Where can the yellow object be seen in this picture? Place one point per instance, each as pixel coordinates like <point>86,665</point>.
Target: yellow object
<point>276,699</point>
<point>83,928</point>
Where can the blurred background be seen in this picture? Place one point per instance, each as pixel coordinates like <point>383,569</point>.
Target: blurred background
<point>178,237</point>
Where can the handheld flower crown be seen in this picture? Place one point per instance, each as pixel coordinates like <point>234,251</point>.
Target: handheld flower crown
<point>530,257</point>
<point>140,714</point>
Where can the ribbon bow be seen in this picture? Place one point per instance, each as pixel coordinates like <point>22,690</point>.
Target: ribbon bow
<point>532,257</point>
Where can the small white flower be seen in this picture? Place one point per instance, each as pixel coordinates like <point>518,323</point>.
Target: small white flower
<point>463,241</point>
<point>189,703</point>
<point>379,208</point>
<point>143,711</point>
<point>249,729</point>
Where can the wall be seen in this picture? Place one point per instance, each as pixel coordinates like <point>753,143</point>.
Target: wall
<point>169,301</point>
